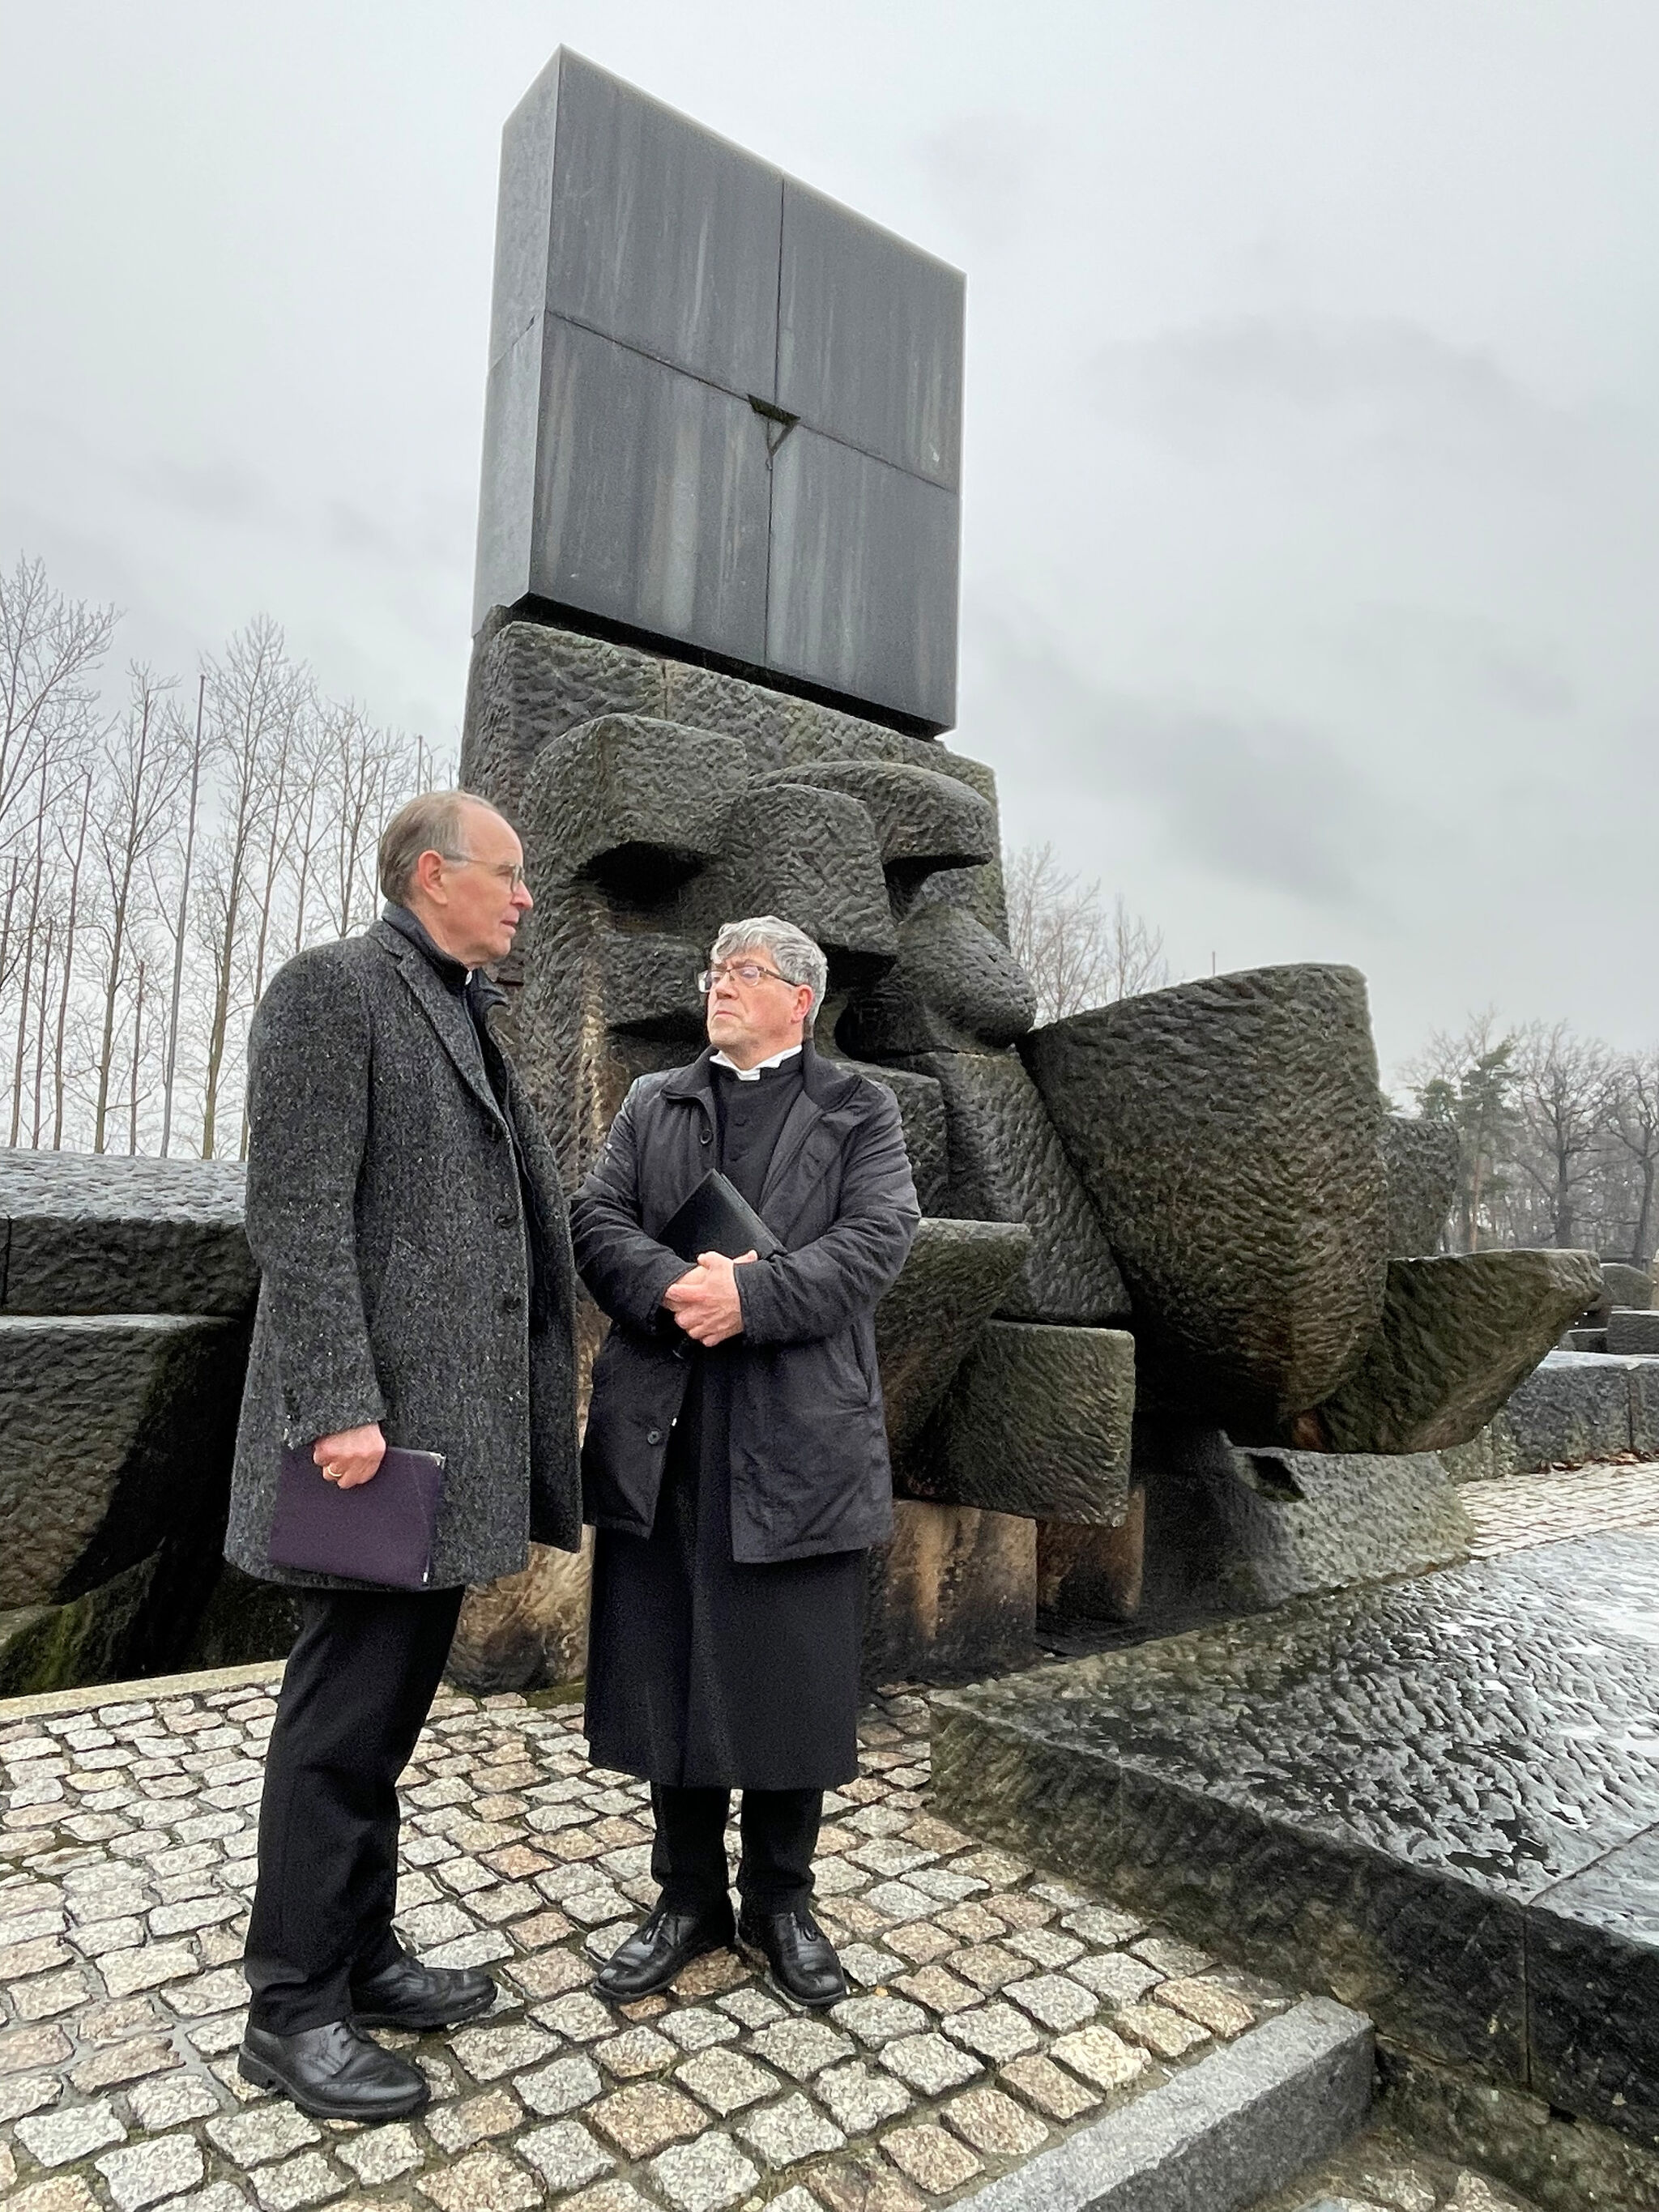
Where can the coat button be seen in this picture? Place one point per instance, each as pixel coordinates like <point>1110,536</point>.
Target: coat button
<point>509,1302</point>
<point>506,1218</point>
<point>704,1137</point>
<point>654,1436</point>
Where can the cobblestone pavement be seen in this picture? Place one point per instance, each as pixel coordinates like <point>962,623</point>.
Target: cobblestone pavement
<point>1517,1511</point>
<point>993,2009</point>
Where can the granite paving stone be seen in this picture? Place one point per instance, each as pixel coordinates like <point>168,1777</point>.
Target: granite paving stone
<point>484,2181</point>
<point>59,2138</point>
<point>145,2173</point>
<point>380,2154</point>
<point>297,2182</point>
<point>564,2154</point>
<point>929,2063</point>
<point>1114,1977</point>
<point>646,2117</point>
<point>877,2020</point>
<point>864,2182</point>
<point>636,2052</point>
<point>168,2104</point>
<point>1167,2034</point>
<point>468,2120</point>
<point>559,2087</point>
<point>995,2031</point>
<point>725,2081</point>
<point>706,2175</point>
<point>1100,2057</point>
<point>858,2100</point>
<point>785,2133</point>
<point>933,2159</point>
<point>1050,2087</point>
<point>801,2047</point>
<point>1213,2007</point>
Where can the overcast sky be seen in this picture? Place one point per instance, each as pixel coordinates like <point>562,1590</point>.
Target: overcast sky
<point>1311,515</point>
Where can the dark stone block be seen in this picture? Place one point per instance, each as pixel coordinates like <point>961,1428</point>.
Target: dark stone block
<point>1093,1574</point>
<point>657,291</point>
<point>1229,1131</point>
<point>861,591</point>
<point>954,987</point>
<point>924,822</point>
<point>1038,1421</point>
<point>634,801</point>
<point>1621,1285</point>
<point>1007,1164</point>
<point>870,336</point>
<point>1457,1334</point>
<point>1593,1981</point>
<point>98,1636</point>
<point>1419,1159</point>
<point>810,856</point>
<point>242,1622</point>
<point>955,1277</point>
<point>652,499</point>
<point>651,987</point>
<point>1643,1375</point>
<point>953,1594</point>
<point>1401,1794</point>
<point>115,1435</point>
<point>1555,2159</point>
<point>1632,1329</point>
<point>1296,1522</point>
<point>921,1110</point>
<point>1574,1408</point>
<point>87,1235</point>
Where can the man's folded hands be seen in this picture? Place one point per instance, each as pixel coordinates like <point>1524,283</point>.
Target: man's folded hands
<point>705,1301</point>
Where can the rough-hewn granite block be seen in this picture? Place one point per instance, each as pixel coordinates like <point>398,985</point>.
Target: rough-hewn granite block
<point>1419,1159</point>
<point>1230,1132</point>
<point>1093,1574</point>
<point>1007,1164</point>
<point>1038,1421</point>
<point>1572,1408</point>
<point>94,1638</point>
<point>1592,1990</point>
<point>1632,1329</point>
<point>94,1235</point>
<point>953,1594</point>
<point>956,1275</point>
<point>1295,1521</point>
<point>924,822</point>
<point>1374,1790</point>
<point>115,1433</point>
<point>810,856</point>
<point>921,1110</point>
<point>1457,1334</point>
<point>1621,1285</point>
<point>954,987</point>
<point>641,801</point>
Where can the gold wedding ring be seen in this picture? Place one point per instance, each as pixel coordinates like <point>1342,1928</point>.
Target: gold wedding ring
<point>330,1475</point>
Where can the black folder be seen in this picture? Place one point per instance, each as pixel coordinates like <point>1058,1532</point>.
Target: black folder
<point>717,1217</point>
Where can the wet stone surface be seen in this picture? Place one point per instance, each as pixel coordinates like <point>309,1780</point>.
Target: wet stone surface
<point>977,2033</point>
<point>1441,1797</point>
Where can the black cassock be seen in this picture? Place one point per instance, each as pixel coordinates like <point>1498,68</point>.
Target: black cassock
<point>703,1673</point>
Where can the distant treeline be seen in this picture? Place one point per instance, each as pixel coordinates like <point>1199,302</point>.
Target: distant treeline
<point>161,853</point>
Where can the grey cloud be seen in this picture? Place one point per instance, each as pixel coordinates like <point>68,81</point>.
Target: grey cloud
<point>217,491</point>
<point>1254,798</point>
<point>1404,649</point>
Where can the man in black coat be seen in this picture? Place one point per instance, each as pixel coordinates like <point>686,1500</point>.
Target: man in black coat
<point>735,1465</point>
<point>416,1289</point>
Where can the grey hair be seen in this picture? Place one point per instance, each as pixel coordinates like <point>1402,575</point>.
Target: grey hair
<point>428,823</point>
<point>798,959</point>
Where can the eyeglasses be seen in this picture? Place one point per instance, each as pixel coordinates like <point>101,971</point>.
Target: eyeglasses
<point>510,877</point>
<point>740,971</point>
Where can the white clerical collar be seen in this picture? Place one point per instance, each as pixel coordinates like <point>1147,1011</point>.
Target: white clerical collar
<point>754,1074</point>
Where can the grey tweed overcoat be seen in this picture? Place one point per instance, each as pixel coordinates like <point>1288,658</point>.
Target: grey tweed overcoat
<point>410,1275</point>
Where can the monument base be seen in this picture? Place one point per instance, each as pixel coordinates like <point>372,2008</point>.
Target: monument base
<point>1436,1800</point>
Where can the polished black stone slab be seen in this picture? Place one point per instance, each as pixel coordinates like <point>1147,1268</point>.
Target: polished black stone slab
<point>1438,1799</point>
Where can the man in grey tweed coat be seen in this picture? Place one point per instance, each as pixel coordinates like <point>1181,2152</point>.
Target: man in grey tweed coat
<point>415,1289</point>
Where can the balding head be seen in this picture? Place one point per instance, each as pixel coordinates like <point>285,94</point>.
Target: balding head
<point>456,864</point>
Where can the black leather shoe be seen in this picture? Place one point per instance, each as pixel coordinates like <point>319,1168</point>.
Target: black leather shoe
<point>659,1949</point>
<point>333,2073</point>
<point>801,1955</point>
<point>406,1994</point>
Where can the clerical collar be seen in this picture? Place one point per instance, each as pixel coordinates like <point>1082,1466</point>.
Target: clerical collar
<point>761,1067</point>
<point>454,973</point>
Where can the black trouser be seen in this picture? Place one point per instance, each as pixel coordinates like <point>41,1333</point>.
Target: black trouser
<point>359,1685</point>
<point>779,1832</point>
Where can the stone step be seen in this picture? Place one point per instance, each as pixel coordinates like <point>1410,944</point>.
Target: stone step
<point>1245,2121</point>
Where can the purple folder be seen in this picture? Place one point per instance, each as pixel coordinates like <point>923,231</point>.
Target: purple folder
<point>380,1531</point>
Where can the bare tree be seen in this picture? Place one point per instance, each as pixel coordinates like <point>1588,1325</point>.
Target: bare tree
<point>51,650</point>
<point>367,771</point>
<point>179,928</point>
<point>1634,1129</point>
<point>1078,951</point>
<point>250,699</point>
<point>74,860</point>
<point>142,770</point>
<point>1563,1095</point>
